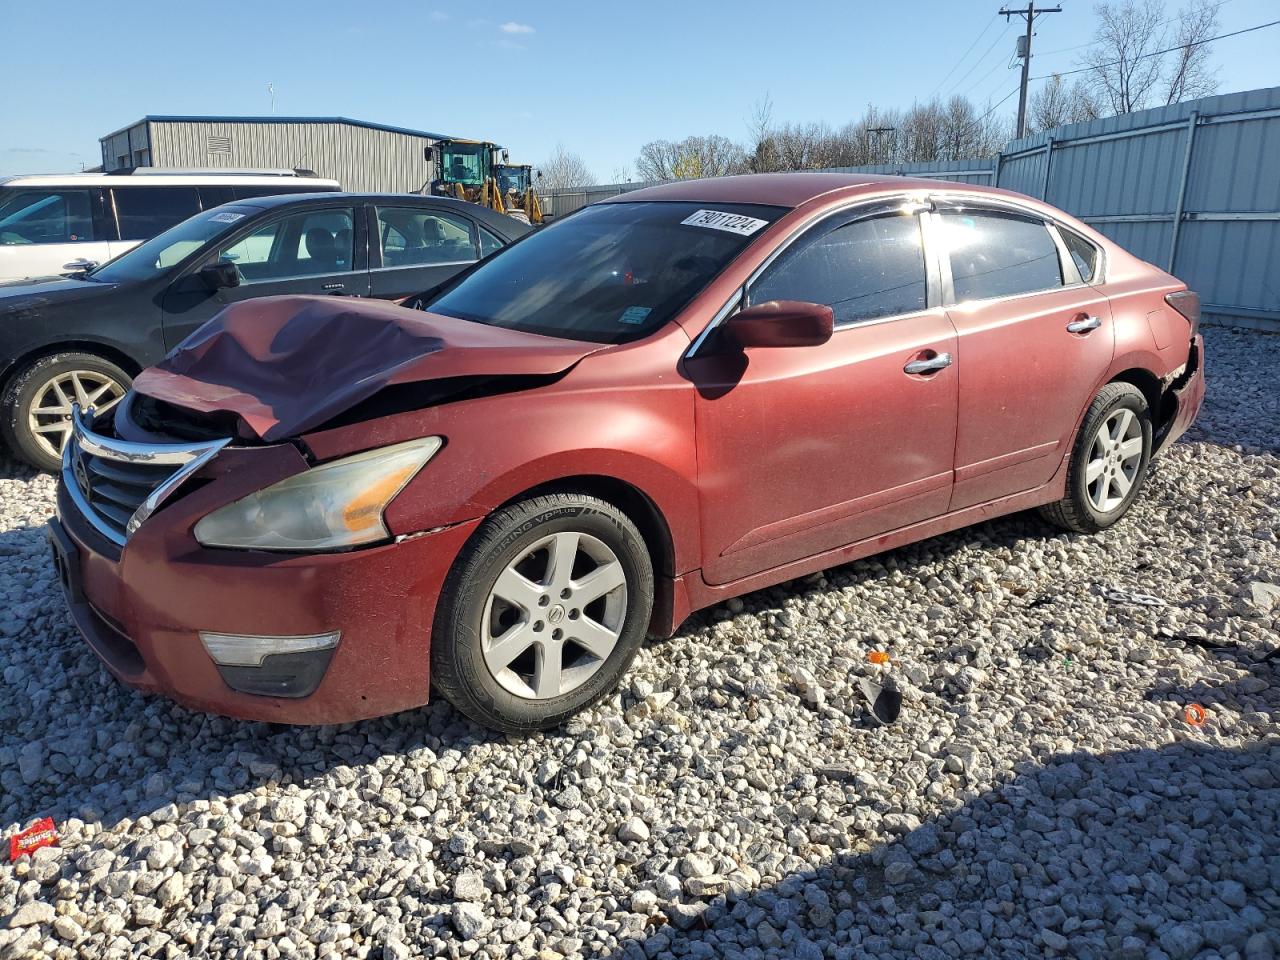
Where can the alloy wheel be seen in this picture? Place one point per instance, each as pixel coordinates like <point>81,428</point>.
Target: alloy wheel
<point>49,418</point>
<point>1114,459</point>
<point>554,615</point>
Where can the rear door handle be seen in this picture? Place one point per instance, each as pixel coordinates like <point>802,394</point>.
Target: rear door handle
<point>930,365</point>
<point>1084,324</point>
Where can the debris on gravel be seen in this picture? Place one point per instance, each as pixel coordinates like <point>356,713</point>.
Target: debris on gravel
<point>1041,793</point>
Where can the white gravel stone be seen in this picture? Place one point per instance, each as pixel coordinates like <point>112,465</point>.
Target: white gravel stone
<point>1041,793</point>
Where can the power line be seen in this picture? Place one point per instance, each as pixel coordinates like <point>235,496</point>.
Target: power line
<point>990,23</point>
<point>1159,23</point>
<point>980,60</point>
<point>1156,53</point>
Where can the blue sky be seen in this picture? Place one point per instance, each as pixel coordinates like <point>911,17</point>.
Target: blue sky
<point>600,78</point>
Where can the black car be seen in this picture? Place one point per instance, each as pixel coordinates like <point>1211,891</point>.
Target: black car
<point>81,339</point>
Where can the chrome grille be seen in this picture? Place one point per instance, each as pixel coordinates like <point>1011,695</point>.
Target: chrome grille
<point>117,484</point>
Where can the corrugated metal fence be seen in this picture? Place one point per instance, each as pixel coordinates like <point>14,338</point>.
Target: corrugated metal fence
<point>1193,187</point>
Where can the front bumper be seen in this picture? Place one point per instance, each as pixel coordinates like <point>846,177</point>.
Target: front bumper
<point>1187,396</point>
<point>141,610</point>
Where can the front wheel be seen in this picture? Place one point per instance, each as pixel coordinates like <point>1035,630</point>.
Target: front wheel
<point>1109,461</point>
<point>37,403</point>
<point>542,613</point>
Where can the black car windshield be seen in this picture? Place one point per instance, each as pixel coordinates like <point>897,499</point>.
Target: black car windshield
<point>165,250</point>
<point>609,273</point>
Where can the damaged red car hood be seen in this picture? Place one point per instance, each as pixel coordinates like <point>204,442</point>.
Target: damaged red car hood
<point>284,365</point>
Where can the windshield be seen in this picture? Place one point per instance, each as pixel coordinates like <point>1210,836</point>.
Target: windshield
<point>463,164</point>
<point>167,249</point>
<point>608,274</point>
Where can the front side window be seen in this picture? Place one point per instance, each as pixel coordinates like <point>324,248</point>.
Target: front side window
<point>610,273</point>
<point>45,216</point>
<point>996,254</point>
<point>1084,253</point>
<point>144,212</point>
<point>862,270</point>
<point>303,244</point>
<point>414,237</point>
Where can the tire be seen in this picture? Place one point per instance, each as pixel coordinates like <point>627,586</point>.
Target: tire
<point>82,377</point>
<point>477,628</point>
<point>1093,505</point>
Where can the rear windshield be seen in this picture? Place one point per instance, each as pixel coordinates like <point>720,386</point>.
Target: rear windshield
<point>167,249</point>
<point>609,273</point>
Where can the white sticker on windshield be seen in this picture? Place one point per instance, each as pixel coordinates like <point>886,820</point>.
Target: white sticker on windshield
<point>226,217</point>
<point>635,314</point>
<point>719,220</point>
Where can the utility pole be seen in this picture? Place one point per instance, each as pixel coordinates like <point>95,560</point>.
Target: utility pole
<point>1029,13</point>
<point>880,132</point>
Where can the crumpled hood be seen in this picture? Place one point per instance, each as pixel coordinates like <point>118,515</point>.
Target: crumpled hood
<point>287,364</point>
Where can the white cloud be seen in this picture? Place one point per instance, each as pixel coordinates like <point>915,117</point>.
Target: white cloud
<point>512,27</point>
<point>439,16</point>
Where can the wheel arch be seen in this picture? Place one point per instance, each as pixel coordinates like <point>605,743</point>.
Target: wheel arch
<point>107,351</point>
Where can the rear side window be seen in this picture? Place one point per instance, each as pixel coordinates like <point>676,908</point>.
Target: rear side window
<point>997,254</point>
<point>862,270</point>
<point>489,242</point>
<point>45,216</point>
<point>144,212</point>
<point>414,237</point>
<point>1084,253</point>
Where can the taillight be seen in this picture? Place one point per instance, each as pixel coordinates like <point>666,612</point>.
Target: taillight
<point>1186,303</point>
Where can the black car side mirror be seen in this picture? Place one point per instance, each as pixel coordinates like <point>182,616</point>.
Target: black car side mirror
<point>218,275</point>
<point>781,323</point>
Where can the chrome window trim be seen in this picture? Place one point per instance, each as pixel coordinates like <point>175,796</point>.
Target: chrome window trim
<point>302,276</point>
<point>188,458</point>
<point>878,204</point>
<point>424,266</point>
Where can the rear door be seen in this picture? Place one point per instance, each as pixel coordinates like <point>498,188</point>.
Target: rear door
<point>318,249</point>
<point>414,248</point>
<point>1033,340</point>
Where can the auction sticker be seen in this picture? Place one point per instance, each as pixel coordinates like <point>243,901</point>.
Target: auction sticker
<point>226,217</point>
<point>729,222</point>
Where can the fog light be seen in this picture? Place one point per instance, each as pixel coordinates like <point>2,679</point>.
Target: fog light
<point>271,666</point>
<point>242,650</point>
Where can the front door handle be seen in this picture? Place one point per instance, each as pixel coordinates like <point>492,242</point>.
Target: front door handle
<point>1084,324</point>
<point>930,365</point>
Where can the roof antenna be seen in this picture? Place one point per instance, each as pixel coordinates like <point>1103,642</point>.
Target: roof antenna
<point>271,89</point>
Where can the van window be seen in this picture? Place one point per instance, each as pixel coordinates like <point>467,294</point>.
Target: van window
<point>45,216</point>
<point>144,212</point>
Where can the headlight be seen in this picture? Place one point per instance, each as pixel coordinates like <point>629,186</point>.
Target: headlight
<point>336,505</point>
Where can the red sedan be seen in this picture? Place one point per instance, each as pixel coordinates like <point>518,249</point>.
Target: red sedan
<point>317,506</point>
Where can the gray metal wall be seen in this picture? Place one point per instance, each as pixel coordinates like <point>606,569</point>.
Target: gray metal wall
<point>1193,187</point>
<point>360,158</point>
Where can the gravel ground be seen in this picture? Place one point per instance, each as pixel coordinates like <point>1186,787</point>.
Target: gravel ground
<point>1041,794</point>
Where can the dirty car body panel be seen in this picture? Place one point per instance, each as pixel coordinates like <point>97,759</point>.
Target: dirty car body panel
<point>743,466</point>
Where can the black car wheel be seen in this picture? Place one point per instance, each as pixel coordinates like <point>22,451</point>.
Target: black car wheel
<point>542,613</point>
<point>38,402</point>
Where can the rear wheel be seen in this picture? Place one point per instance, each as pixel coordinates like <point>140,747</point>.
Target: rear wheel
<point>543,612</point>
<point>38,401</point>
<point>1109,461</point>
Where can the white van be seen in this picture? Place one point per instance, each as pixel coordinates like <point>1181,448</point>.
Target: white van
<point>66,223</point>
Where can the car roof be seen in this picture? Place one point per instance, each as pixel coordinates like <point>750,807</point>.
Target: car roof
<point>503,224</point>
<point>288,180</point>
<point>780,189</point>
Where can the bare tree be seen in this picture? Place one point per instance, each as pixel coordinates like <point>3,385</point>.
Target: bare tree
<point>1055,104</point>
<point>761,146</point>
<point>1132,65</point>
<point>690,158</point>
<point>564,170</point>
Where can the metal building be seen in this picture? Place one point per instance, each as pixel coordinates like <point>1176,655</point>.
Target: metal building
<point>359,155</point>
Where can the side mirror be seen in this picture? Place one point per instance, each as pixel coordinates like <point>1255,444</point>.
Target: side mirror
<point>781,323</point>
<point>218,275</point>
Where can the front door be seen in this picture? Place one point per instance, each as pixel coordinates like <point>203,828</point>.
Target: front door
<point>312,251</point>
<point>805,449</point>
<point>419,249</point>
<point>1033,339</point>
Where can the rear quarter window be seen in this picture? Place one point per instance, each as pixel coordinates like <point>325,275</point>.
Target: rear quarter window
<point>1084,253</point>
